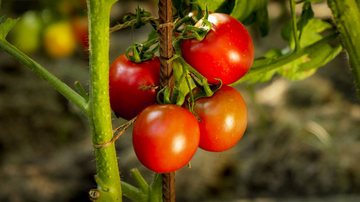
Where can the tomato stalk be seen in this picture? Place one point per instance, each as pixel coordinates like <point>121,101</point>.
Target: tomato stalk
<point>107,178</point>
<point>141,17</point>
<point>346,14</point>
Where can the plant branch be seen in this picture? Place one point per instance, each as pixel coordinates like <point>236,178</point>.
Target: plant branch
<point>55,82</point>
<point>131,23</point>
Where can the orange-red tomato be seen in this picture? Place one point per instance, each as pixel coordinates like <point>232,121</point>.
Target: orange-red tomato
<point>165,137</point>
<point>223,119</point>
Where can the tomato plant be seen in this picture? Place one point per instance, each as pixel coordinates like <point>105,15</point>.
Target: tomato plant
<point>165,137</point>
<point>59,41</point>
<point>226,53</point>
<point>222,119</point>
<point>133,85</point>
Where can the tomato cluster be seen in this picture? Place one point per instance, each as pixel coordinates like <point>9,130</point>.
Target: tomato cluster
<point>166,136</point>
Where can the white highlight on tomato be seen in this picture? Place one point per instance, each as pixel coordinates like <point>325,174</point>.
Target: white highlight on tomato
<point>234,56</point>
<point>178,143</point>
<point>229,123</point>
<point>218,18</point>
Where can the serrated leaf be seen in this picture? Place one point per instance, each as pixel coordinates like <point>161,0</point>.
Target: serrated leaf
<point>6,24</point>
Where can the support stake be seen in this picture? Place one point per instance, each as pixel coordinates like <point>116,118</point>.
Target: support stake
<point>166,52</point>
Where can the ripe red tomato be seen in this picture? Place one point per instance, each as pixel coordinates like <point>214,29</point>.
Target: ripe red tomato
<point>132,85</point>
<point>223,119</point>
<point>165,137</point>
<point>226,53</point>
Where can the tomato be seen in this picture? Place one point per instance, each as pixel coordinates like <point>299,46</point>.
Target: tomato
<point>132,85</point>
<point>26,33</point>
<point>80,29</point>
<point>59,41</point>
<point>226,53</point>
<point>222,119</point>
<point>165,137</point>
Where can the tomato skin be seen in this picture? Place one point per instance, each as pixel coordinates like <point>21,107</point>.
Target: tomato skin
<point>226,53</point>
<point>132,85</point>
<point>165,137</point>
<point>222,119</point>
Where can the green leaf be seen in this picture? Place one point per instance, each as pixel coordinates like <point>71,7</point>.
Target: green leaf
<point>6,24</point>
<point>308,64</point>
<point>263,76</point>
<point>211,5</point>
<point>312,31</point>
<point>306,14</point>
<point>244,8</point>
<point>296,65</point>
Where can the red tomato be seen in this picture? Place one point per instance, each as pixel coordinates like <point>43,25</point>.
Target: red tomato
<point>165,137</point>
<point>226,53</point>
<point>132,85</point>
<point>223,119</point>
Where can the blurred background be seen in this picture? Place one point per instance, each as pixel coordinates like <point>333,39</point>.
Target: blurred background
<point>302,141</point>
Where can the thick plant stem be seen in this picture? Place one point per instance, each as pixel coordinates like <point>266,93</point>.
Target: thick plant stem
<point>107,178</point>
<point>346,15</point>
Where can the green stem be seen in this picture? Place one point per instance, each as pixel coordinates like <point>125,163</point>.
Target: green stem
<point>265,65</point>
<point>56,83</point>
<point>134,193</point>
<point>346,15</point>
<point>294,25</point>
<point>143,185</point>
<point>108,178</point>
